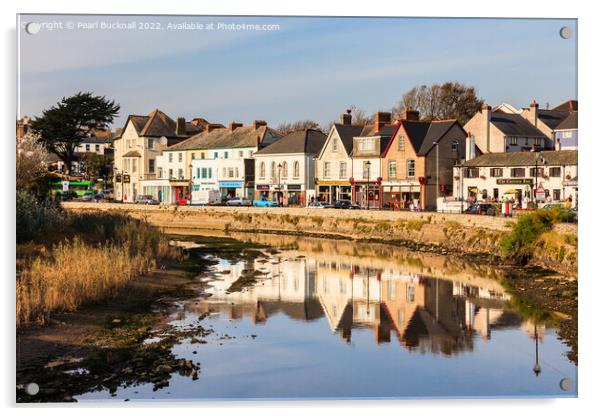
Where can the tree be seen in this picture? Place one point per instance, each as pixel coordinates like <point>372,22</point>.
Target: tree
<point>450,100</point>
<point>64,126</point>
<point>289,127</point>
<point>31,161</point>
<point>96,165</point>
<point>359,116</point>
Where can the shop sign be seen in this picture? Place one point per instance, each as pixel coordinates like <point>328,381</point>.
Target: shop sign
<point>514,181</point>
<point>230,184</point>
<point>326,183</point>
<point>196,187</point>
<point>65,186</point>
<point>126,178</point>
<point>263,187</point>
<point>118,178</point>
<point>293,187</point>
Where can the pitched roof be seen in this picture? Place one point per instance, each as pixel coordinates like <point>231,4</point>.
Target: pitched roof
<point>568,106</point>
<point>307,141</point>
<point>385,133</point>
<point>515,125</point>
<point>159,124</point>
<point>568,123</point>
<point>552,157</point>
<point>347,132</point>
<point>422,134</point>
<point>246,136</point>
<point>552,118</point>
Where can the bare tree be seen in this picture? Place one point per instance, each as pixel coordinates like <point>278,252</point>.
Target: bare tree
<point>289,127</point>
<point>359,116</point>
<point>32,160</point>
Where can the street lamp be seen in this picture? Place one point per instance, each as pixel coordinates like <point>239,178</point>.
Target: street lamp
<point>437,168</point>
<point>543,161</point>
<point>368,164</point>
<point>191,184</point>
<point>279,186</point>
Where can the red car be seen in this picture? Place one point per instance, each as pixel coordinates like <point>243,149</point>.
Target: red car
<point>183,201</point>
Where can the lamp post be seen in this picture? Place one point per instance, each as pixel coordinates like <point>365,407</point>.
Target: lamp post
<point>368,164</point>
<point>437,170</point>
<point>543,161</point>
<point>190,185</point>
<point>536,367</point>
<point>279,185</point>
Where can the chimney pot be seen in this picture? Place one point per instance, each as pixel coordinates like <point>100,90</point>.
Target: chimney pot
<point>410,114</point>
<point>259,123</point>
<point>346,118</point>
<point>234,125</point>
<point>380,119</point>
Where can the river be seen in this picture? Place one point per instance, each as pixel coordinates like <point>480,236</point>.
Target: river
<point>294,318</point>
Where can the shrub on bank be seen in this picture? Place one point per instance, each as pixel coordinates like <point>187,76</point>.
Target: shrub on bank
<point>522,240</point>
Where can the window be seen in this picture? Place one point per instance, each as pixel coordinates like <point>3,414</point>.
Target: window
<point>262,170</point>
<point>342,170</point>
<point>455,145</point>
<point>97,147</point>
<point>224,172</point>
<point>273,171</point>
<point>225,155</point>
<point>410,293</point>
<point>327,169</point>
<point>202,155</point>
<point>236,172</point>
<point>180,157</point>
<point>366,170</point>
<point>366,145</point>
<point>215,155</point>
<point>537,141</point>
<point>160,173</point>
<point>484,193</point>
<point>241,154</point>
<point>496,193</point>
<point>539,172</point>
<point>513,140</point>
<point>209,170</point>
<point>471,172</point>
<point>250,153</point>
<point>134,165</point>
<point>517,172</point>
<point>335,145</point>
<point>496,172</point>
<point>150,144</point>
<point>170,157</point>
<point>87,148</point>
<point>401,144</point>
<point>151,165</point>
<point>193,156</point>
<point>204,173</point>
<point>526,141</point>
<point>285,170</point>
<point>198,172</point>
<point>411,168</point>
<point>230,172</point>
<point>392,169</point>
<point>556,193</point>
<point>296,169</point>
<point>555,172</point>
<point>180,174</point>
<point>170,173</point>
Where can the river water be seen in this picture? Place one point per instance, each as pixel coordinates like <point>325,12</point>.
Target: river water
<point>314,318</point>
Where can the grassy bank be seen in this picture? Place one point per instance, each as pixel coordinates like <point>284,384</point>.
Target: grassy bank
<point>67,259</point>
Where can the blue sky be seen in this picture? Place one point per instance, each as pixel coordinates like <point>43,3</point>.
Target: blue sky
<point>311,68</point>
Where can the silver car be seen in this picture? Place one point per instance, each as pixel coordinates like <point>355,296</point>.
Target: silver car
<point>146,200</point>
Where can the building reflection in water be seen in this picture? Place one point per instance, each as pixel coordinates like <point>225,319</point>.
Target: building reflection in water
<point>421,313</point>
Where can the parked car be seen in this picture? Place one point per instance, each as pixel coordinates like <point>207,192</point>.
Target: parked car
<point>146,200</point>
<point>317,204</point>
<point>264,202</point>
<point>88,196</point>
<point>574,211</point>
<point>481,209</point>
<point>183,201</point>
<point>345,204</point>
<point>238,202</point>
<point>67,195</point>
<point>552,206</point>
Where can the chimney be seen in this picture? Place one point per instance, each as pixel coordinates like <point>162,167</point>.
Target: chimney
<point>471,151</point>
<point>380,119</point>
<point>180,126</point>
<point>410,114</point>
<point>212,126</point>
<point>486,111</point>
<point>558,145</point>
<point>234,126</point>
<point>259,123</point>
<point>533,113</point>
<point>346,118</point>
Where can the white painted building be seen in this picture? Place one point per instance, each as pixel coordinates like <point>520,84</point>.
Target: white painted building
<point>518,176</point>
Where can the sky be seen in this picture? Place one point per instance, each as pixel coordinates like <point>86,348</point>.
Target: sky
<point>303,68</point>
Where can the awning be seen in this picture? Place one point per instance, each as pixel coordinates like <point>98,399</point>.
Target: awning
<point>512,191</point>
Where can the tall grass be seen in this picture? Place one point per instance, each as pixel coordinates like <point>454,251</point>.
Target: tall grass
<point>96,254</point>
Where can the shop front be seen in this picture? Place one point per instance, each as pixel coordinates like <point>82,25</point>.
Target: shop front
<point>330,191</point>
<point>292,195</point>
<point>180,191</point>
<point>231,189</point>
<point>160,189</point>
<point>400,195</point>
<point>367,194</point>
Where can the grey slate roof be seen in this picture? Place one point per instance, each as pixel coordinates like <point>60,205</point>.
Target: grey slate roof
<point>308,141</point>
<point>552,157</point>
<point>552,118</point>
<point>515,125</point>
<point>569,123</point>
<point>246,136</point>
<point>422,134</point>
<point>568,106</point>
<point>347,132</point>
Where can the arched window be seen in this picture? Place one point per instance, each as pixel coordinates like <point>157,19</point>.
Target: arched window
<point>273,171</point>
<point>284,170</point>
<point>296,169</point>
<point>262,170</point>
